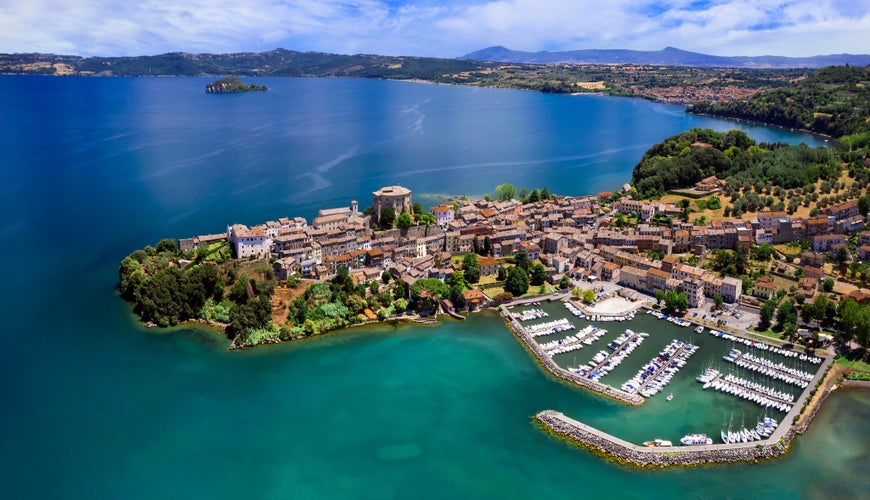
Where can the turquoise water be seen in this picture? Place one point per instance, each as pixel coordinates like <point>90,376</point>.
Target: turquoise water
<point>94,406</point>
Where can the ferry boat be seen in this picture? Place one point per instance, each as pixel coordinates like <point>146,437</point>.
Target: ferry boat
<point>696,440</point>
<point>658,443</point>
<point>670,397</point>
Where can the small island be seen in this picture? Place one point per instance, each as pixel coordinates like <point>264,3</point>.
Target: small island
<point>231,84</point>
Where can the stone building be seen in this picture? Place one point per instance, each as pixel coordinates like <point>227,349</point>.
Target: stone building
<point>396,197</point>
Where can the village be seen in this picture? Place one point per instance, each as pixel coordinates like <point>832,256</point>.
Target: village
<point>574,237</point>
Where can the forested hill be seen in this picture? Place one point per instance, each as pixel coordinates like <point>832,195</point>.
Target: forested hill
<point>278,62</point>
<point>760,168</point>
<point>834,101</point>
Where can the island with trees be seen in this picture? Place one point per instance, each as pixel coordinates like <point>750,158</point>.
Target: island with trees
<point>230,85</point>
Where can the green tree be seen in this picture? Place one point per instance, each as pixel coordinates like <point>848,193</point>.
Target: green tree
<point>404,221</point>
<point>517,282</point>
<point>539,275</point>
<point>828,284</point>
<point>588,295</point>
<point>388,217</point>
<point>471,267</point>
<point>400,305</point>
<point>787,313</point>
<point>502,273</point>
<point>676,302</point>
<point>457,297</point>
<point>761,252</point>
<point>565,282</point>
<point>766,315</point>
<point>487,245</point>
<point>864,205</point>
<point>505,192</point>
<point>522,261</point>
<point>417,208</point>
<point>660,297</point>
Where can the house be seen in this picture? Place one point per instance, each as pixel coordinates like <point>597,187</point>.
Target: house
<point>474,299</point>
<point>764,287</point>
<point>248,242</point>
<point>711,183</point>
<point>444,215</point>
<point>488,266</point>
<point>826,242</point>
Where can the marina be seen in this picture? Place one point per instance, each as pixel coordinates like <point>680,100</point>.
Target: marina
<point>668,357</point>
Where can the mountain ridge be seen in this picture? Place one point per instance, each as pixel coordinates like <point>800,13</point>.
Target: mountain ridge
<point>669,56</point>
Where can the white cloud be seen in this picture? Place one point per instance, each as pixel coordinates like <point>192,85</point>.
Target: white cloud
<point>434,28</point>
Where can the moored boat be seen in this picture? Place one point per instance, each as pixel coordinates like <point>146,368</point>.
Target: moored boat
<point>696,440</point>
<point>658,443</point>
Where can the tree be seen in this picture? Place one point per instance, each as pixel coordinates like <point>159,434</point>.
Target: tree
<point>565,282</point>
<point>718,301</point>
<point>535,196</point>
<point>471,267</point>
<point>457,278</point>
<point>660,297</point>
<point>539,275</point>
<point>766,314</point>
<point>517,282</point>
<point>864,205</point>
<point>502,273</point>
<point>761,252</point>
<point>400,305</point>
<point>417,208</point>
<point>487,245</point>
<point>388,216</point>
<point>675,301</point>
<point>828,284</point>
<point>404,220</point>
<point>522,261</point>
<point>786,314</point>
<point>457,297</point>
<point>588,295</point>
<point>545,194</point>
<point>505,192</point>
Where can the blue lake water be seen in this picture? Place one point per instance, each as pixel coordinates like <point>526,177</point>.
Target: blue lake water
<point>93,406</point>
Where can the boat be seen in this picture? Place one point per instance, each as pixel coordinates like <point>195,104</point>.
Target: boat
<point>696,440</point>
<point>700,329</point>
<point>670,397</point>
<point>658,443</point>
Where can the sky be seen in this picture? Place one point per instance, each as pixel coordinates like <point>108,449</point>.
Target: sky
<point>445,28</point>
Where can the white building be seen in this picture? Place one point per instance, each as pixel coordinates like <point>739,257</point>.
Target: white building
<point>249,242</point>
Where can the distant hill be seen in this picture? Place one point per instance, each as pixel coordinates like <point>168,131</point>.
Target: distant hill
<point>278,62</point>
<point>667,57</point>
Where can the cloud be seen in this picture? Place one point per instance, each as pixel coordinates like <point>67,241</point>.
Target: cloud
<point>446,28</point>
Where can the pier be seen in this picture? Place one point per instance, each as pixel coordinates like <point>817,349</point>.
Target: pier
<point>557,371</point>
<point>612,360</point>
<point>687,349</point>
<point>766,367</point>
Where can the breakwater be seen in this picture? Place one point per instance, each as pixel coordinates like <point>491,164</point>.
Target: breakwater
<point>656,457</point>
<point>643,456</point>
<point>561,373</point>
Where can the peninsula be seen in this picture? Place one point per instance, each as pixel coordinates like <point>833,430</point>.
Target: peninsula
<point>731,256</point>
<point>231,84</point>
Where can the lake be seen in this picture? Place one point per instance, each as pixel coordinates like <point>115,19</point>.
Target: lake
<point>96,406</point>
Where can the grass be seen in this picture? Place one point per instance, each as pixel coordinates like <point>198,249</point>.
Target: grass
<point>859,369</point>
